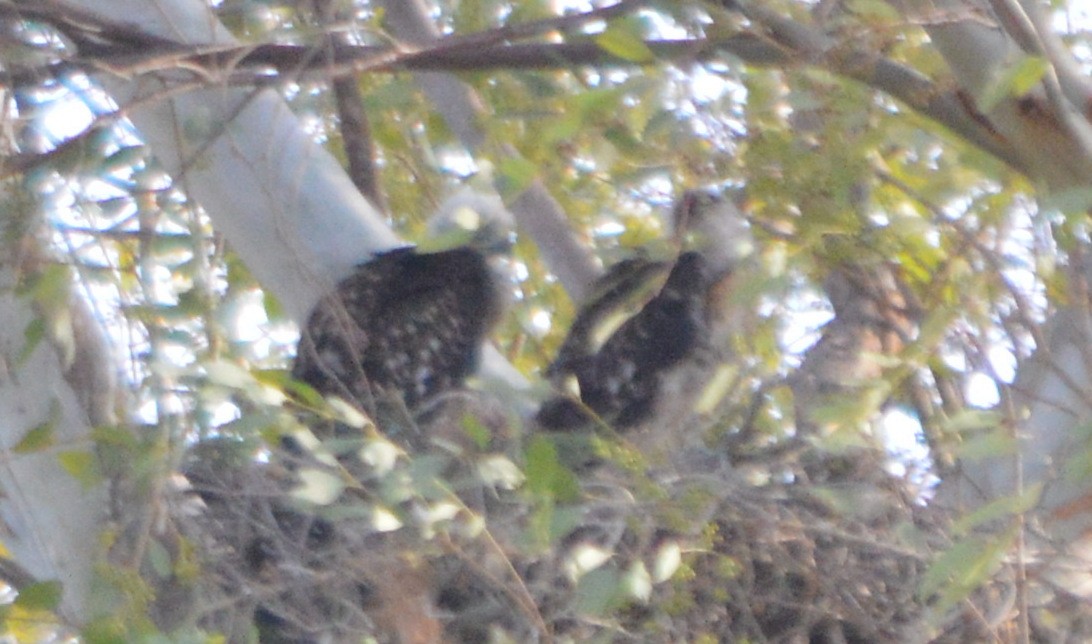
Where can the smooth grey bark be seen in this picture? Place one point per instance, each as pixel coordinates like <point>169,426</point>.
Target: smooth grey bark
<point>50,520</point>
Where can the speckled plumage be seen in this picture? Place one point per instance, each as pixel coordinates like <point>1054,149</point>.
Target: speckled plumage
<point>621,370</point>
<point>405,322</point>
<point>620,381</point>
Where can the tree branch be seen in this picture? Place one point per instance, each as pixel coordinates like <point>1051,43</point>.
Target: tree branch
<point>783,42</point>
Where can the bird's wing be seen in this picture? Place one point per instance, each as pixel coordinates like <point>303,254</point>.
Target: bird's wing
<point>333,342</point>
<point>619,378</point>
<point>622,379</point>
<point>623,291</point>
<point>406,321</point>
<point>428,324</point>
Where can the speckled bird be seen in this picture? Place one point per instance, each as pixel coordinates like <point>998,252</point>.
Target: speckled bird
<point>648,320</point>
<point>411,320</point>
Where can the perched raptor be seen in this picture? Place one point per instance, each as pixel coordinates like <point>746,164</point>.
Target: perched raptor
<point>409,321</point>
<point>648,320</point>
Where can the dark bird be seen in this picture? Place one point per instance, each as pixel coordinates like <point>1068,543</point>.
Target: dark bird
<point>646,322</point>
<point>411,321</point>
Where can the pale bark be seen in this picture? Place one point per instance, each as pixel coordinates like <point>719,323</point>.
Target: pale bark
<point>1048,127</point>
<point>50,520</point>
<point>282,201</point>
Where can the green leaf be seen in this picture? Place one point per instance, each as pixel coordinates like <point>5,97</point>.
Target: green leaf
<point>166,244</point>
<point>228,374</point>
<point>873,9</point>
<point>971,419</point>
<point>622,39</point>
<point>33,334</point>
<point>477,431</point>
<point>545,473</point>
<point>38,437</point>
<point>988,445</point>
<point>380,454</point>
<point>936,325</point>
<point>273,308</point>
<point>637,582</point>
<point>599,591</point>
<point>103,630</point>
<point>1077,465</point>
<point>717,388</point>
<point>50,288</point>
<point>1027,74</point>
<point>80,466</point>
<point>306,394</point>
<point>842,415</point>
<point>603,102</point>
<point>278,378</point>
<point>43,595</point>
<point>427,476</point>
<point>514,174</point>
<point>667,560</point>
<point>564,128</point>
<point>498,471</point>
<point>962,568</point>
<point>159,559</point>
<point>1014,80</point>
<point>1003,507</point>
<point>563,520</point>
<point>841,500</point>
<point>192,302</point>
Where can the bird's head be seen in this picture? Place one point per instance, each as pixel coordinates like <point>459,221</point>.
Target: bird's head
<point>707,222</point>
<point>471,218</point>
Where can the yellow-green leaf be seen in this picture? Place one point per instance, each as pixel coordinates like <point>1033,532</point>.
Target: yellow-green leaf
<point>963,567</point>
<point>1070,201</point>
<point>123,159</point>
<point>545,473</point>
<point>477,431</point>
<point>44,595</point>
<point>1006,506</point>
<point>970,419</point>
<point>37,438</point>
<point>599,591</point>
<point>33,334</point>
<point>873,9</point>
<point>50,288</point>
<point>273,308</point>
<point>159,559</point>
<point>80,466</point>
<point>621,40</point>
<point>320,487</point>
<point>514,175</point>
<point>1015,80</point>
<point>988,445</point>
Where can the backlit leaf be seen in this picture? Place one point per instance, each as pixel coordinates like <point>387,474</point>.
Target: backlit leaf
<point>622,40</point>
<point>44,595</point>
